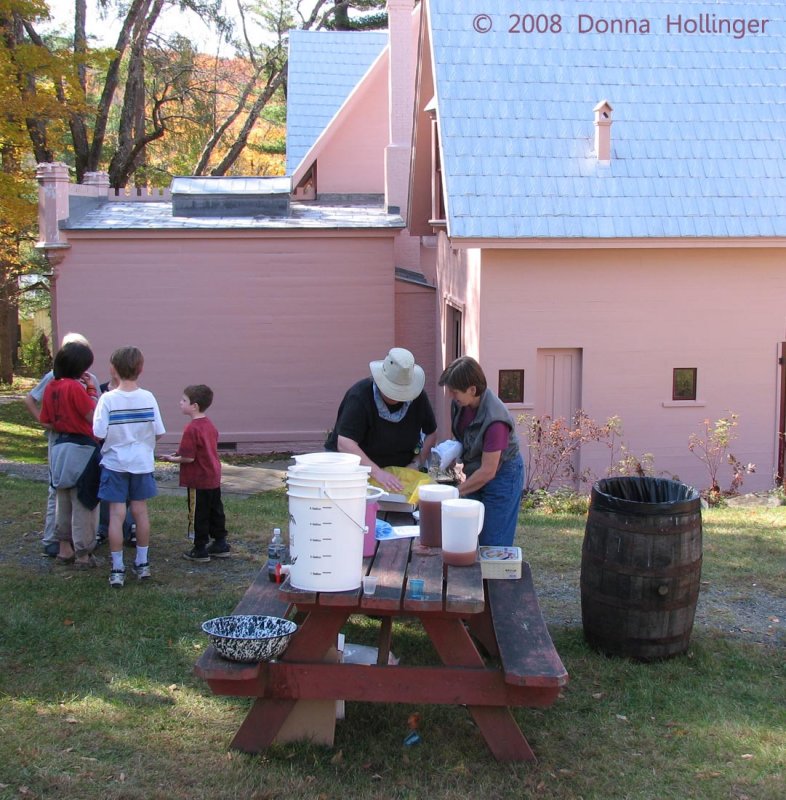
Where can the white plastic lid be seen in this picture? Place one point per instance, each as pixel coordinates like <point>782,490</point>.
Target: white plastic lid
<point>437,491</point>
<point>462,507</point>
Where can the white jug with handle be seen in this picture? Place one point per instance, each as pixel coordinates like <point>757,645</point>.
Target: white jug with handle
<point>462,522</point>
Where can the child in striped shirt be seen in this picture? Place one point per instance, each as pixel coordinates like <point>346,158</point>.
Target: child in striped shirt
<point>129,422</point>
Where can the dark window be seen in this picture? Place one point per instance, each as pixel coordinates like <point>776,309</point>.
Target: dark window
<point>511,385</point>
<point>684,386</point>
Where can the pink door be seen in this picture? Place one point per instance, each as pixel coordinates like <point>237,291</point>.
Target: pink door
<point>559,387</point>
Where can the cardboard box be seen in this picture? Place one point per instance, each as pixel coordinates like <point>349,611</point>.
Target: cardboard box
<point>500,562</point>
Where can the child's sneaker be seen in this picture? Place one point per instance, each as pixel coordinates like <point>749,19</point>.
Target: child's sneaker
<point>117,578</point>
<point>219,549</point>
<point>196,554</point>
<point>142,571</point>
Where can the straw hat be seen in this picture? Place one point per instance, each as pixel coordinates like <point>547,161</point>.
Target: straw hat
<point>398,376</point>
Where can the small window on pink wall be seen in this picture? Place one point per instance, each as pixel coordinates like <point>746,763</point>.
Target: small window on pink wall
<point>511,385</point>
<point>684,383</point>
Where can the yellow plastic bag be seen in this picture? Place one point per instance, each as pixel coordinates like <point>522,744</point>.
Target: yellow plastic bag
<point>411,479</point>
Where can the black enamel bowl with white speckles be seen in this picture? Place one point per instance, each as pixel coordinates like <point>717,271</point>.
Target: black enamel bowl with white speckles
<point>249,637</point>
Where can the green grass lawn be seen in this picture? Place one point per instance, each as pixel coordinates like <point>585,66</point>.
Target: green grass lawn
<point>98,698</point>
<point>21,438</point>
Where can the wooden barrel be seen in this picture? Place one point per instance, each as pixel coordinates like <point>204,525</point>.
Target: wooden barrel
<point>641,567</point>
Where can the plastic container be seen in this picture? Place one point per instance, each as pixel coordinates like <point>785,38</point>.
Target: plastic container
<point>430,497</point>
<point>327,522</point>
<point>373,494</point>
<point>276,555</point>
<point>462,521</point>
<point>500,562</point>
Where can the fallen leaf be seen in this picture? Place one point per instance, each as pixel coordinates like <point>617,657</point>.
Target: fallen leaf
<point>622,718</point>
<point>24,790</point>
<point>173,687</point>
<point>67,621</point>
<point>122,777</point>
<point>774,619</point>
<point>598,695</point>
<point>338,757</point>
<point>747,755</point>
<point>72,720</point>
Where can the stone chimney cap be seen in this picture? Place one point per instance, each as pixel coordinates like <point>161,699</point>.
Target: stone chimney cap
<point>603,110</point>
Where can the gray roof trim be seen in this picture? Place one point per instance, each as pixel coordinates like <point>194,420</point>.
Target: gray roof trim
<point>303,216</point>
<point>577,243</point>
<point>410,276</point>
<point>230,185</point>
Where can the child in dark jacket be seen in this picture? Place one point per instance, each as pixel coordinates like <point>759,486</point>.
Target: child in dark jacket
<point>200,473</point>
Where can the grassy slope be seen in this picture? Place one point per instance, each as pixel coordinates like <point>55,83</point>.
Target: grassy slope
<point>97,697</point>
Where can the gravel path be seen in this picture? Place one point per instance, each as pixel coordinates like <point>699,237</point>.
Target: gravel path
<point>751,614</point>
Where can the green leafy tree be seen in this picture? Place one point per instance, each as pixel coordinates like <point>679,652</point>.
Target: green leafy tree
<point>28,121</point>
<point>370,15</point>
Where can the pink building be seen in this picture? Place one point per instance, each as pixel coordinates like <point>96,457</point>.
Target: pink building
<point>598,216</point>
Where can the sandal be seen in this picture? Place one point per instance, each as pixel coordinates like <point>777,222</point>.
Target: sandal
<point>91,562</point>
<point>64,559</point>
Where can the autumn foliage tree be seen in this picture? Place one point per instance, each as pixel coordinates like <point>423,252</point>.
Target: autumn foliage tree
<point>29,119</point>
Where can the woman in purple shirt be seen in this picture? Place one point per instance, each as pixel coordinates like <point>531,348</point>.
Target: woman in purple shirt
<point>491,457</point>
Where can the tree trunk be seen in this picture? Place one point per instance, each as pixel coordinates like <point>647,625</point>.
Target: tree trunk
<point>253,115</point>
<point>7,319</point>
<point>131,130</point>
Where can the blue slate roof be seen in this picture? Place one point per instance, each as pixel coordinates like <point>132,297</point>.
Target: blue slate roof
<point>699,123</point>
<point>324,68</point>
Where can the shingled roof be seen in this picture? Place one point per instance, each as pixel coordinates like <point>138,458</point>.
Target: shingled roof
<point>698,138</point>
<point>324,67</point>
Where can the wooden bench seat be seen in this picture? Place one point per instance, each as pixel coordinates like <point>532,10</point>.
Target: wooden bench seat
<point>525,649</point>
<point>262,597</point>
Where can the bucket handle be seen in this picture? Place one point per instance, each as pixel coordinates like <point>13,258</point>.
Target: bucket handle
<point>348,516</point>
<point>374,493</point>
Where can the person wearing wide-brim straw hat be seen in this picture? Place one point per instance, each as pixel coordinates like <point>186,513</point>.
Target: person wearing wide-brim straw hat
<point>383,419</point>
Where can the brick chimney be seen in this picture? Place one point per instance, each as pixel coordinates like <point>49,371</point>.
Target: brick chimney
<point>53,203</point>
<point>401,86</point>
<point>603,120</point>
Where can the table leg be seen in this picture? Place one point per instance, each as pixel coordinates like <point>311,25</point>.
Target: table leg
<point>385,636</point>
<point>455,647</point>
<point>316,635</point>
<point>262,723</point>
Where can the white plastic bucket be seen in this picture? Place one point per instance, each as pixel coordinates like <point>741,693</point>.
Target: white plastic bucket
<point>327,515</point>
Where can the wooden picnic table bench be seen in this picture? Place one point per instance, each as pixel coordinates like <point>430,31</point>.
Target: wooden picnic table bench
<point>457,609</point>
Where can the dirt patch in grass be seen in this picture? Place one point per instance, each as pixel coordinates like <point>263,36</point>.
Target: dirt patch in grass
<point>744,612</point>
<point>754,615</point>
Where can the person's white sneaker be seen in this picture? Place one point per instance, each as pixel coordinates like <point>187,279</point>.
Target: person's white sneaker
<point>117,578</point>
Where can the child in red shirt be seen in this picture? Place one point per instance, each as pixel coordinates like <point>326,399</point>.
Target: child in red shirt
<point>200,473</point>
<point>67,408</point>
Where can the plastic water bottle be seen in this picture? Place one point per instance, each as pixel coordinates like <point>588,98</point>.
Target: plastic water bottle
<point>276,555</point>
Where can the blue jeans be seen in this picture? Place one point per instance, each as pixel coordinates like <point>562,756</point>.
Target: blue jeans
<point>501,498</point>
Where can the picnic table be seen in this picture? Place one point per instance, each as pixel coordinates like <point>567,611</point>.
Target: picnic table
<point>490,636</point>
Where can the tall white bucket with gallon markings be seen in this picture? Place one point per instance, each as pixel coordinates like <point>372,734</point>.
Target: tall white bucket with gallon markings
<point>327,519</point>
